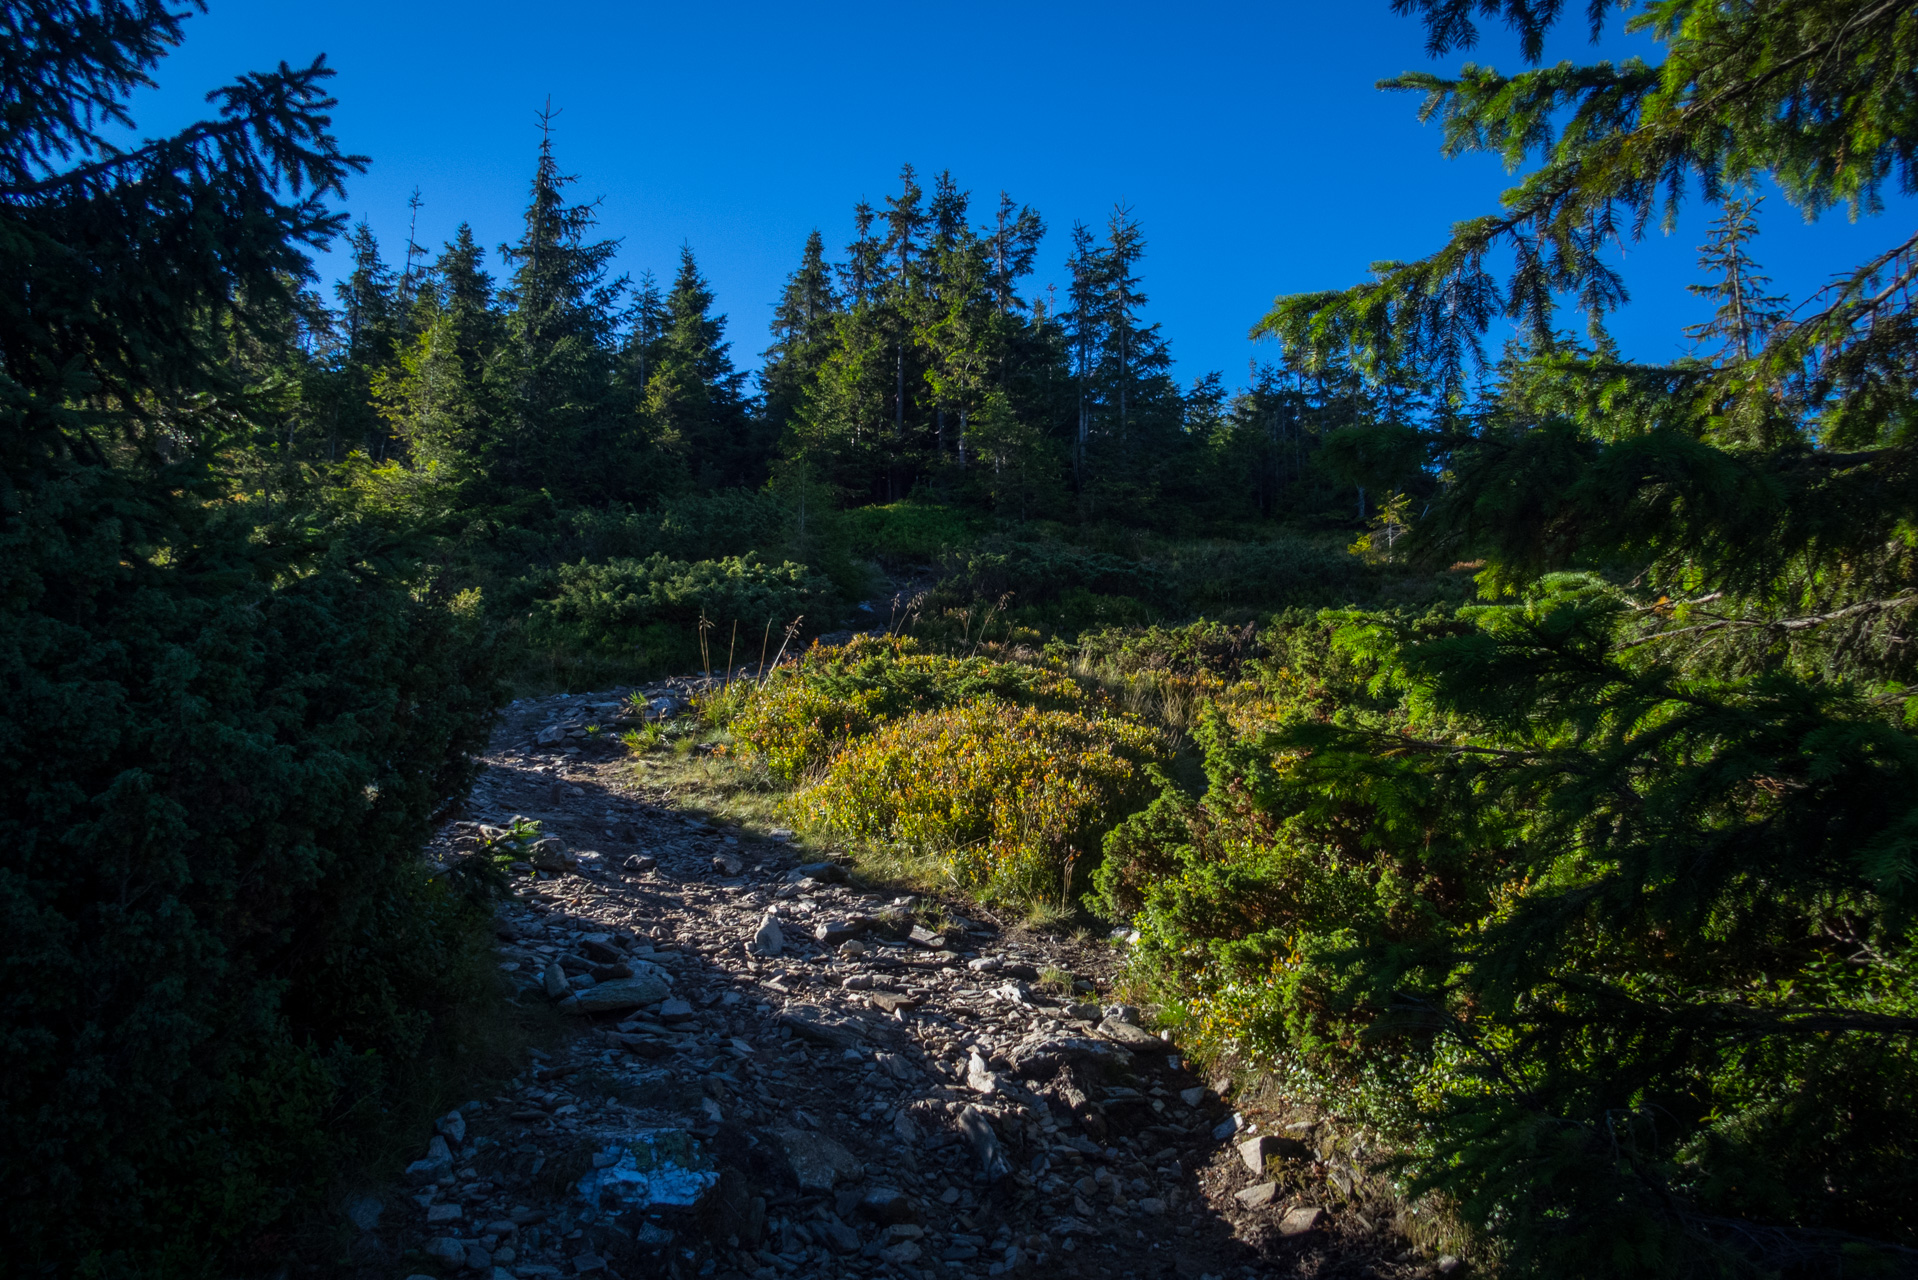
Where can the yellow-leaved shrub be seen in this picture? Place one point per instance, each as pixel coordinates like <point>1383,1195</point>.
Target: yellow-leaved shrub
<point>804,712</point>
<point>1013,800</point>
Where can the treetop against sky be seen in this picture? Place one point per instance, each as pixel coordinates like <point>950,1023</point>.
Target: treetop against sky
<point>1250,141</point>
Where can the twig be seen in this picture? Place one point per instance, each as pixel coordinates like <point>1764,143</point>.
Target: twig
<point>1785,624</point>
<point>792,629</point>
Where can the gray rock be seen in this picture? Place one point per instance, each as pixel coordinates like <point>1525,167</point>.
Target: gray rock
<point>477,1259</point>
<point>555,982</point>
<point>1137,1039</point>
<point>1257,1197</point>
<point>671,1011</point>
<point>985,964</point>
<point>619,995</point>
<point>444,1212</point>
<point>1152,1206</point>
<point>453,1125</point>
<point>824,872</point>
<point>822,1026</point>
<point>833,932</point>
<point>1450,1266</point>
<point>437,1164</point>
<point>729,864</point>
<point>1123,1013</point>
<point>902,1253</point>
<point>1256,1151</point>
<point>924,937</point>
<point>886,1206</point>
<point>1040,1057</point>
<point>602,950</point>
<point>840,1238</point>
<point>770,939</point>
<point>1192,1097</point>
<point>641,862</point>
<point>1301,1220</point>
<point>551,854</point>
<point>1227,1127</point>
<point>816,1161</point>
<point>985,1144</point>
<point>448,1250</point>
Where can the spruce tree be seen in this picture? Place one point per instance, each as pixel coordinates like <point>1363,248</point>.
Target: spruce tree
<point>565,434</point>
<point>369,328</point>
<point>1746,314</point>
<point>1643,849</point>
<point>228,728</point>
<point>802,326</point>
<point>693,401</point>
<point>645,324</point>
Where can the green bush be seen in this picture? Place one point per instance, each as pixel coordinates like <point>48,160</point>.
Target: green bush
<point>1011,800</point>
<point>648,610</point>
<point>1272,574</point>
<point>805,711</point>
<point>694,526</point>
<point>227,959</point>
<point>1204,645</point>
<point>1519,899</point>
<point>1040,573</point>
<point>908,532</point>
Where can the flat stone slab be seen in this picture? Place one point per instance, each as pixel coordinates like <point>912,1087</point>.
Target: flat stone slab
<point>816,1161</point>
<point>619,995</point>
<point>833,932</point>
<point>1137,1039</point>
<point>1301,1220</point>
<point>1257,1197</point>
<point>823,1026</point>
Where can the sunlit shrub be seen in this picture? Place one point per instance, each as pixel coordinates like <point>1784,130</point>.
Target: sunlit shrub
<point>834,693</point>
<point>1013,799</point>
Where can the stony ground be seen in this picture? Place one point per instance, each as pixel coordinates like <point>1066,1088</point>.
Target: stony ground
<point>872,1085</point>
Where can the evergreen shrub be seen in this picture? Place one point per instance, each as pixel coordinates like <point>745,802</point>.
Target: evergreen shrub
<point>649,610</point>
<point>227,960</point>
<point>692,526</point>
<point>908,532</point>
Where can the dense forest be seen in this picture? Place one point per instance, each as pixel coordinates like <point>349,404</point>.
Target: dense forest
<point>1510,745</point>
<point>591,463</point>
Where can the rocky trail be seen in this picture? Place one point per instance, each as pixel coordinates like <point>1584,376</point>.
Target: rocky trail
<point>770,1071</point>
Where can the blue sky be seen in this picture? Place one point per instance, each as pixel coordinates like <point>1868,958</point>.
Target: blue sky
<point>1247,138</point>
